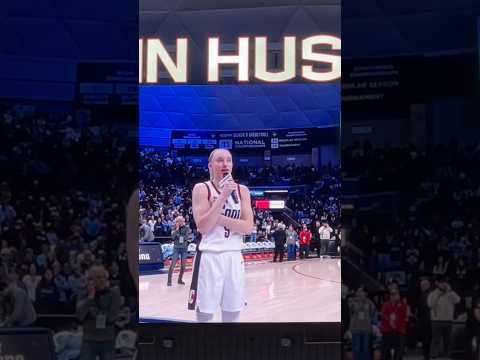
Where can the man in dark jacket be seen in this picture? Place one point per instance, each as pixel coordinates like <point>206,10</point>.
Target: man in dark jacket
<point>280,237</point>
<point>424,320</point>
<point>316,244</point>
<point>181,237</point>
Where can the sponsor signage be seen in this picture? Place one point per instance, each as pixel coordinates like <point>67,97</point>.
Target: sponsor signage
<point>267,140</point>
<point>150,253</point>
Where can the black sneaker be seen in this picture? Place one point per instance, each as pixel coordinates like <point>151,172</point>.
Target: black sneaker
<point>181,282</point>
<point>169,283</point>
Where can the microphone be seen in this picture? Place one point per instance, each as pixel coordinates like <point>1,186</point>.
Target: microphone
<point>234,193</point>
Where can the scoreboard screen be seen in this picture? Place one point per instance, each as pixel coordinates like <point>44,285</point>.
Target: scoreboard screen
<point>253,141</point>
<point>270,204</point>
<point>107,84</point>
<point>269,199</point>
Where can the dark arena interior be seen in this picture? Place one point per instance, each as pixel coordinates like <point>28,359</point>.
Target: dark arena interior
<point>388,155</point>
<point>410,154</point>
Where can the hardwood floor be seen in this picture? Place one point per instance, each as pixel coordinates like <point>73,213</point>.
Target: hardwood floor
<point>293,291</point>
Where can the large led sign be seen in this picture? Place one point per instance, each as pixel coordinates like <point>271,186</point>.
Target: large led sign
<point>318,49</point>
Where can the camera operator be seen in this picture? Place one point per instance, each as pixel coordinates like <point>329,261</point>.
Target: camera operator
<point>181,236</point>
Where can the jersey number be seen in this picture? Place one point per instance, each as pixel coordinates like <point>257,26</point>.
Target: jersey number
<point>227,232</point>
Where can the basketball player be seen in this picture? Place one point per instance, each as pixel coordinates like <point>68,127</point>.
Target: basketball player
<point>223,214</point>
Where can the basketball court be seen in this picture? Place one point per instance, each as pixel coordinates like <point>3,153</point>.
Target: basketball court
<point>291,291</point>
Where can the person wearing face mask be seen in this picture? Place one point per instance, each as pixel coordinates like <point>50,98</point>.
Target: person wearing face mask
<point>222,211</point>
<point>394,324</point>
<point>441,302</point>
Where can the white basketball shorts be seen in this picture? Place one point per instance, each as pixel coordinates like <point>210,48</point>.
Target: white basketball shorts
<point>221,282</point>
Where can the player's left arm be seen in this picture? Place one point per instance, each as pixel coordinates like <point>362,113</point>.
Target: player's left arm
<point>244,225</point>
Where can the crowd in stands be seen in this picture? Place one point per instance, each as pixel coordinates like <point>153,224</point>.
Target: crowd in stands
<point>429,248</point>
<point>62,212</point>
<point>167,180</point>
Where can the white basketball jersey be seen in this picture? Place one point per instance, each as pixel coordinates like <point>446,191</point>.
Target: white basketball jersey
<point>220,238</point>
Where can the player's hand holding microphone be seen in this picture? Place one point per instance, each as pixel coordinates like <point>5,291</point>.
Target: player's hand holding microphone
<point>229,187</point>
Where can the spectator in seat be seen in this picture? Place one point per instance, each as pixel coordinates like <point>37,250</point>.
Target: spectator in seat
<point>77,281</point>
<point>31,281</point>
<point>115,276</point>
<point>394,325</point>
<point>441,302</point>
<point>253,235</point>
<point>362,315</point>
<point>23,313</point>
<point>292,237</point>
<point>146,231</point>
<point>91,226</point>
<point>97,310</point>
<point>48,297</point>
<point>63,288</point>
<point>305,239</point>
<point>441,267</point>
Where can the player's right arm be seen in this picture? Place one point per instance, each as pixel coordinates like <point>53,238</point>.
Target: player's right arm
<point>205,214</point>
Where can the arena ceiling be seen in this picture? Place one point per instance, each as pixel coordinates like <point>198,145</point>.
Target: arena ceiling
<point>372,28</point>
<point>107,29</point>
<point>43,40</point>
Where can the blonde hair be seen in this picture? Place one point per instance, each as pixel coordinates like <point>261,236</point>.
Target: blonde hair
<point>210,158</point>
